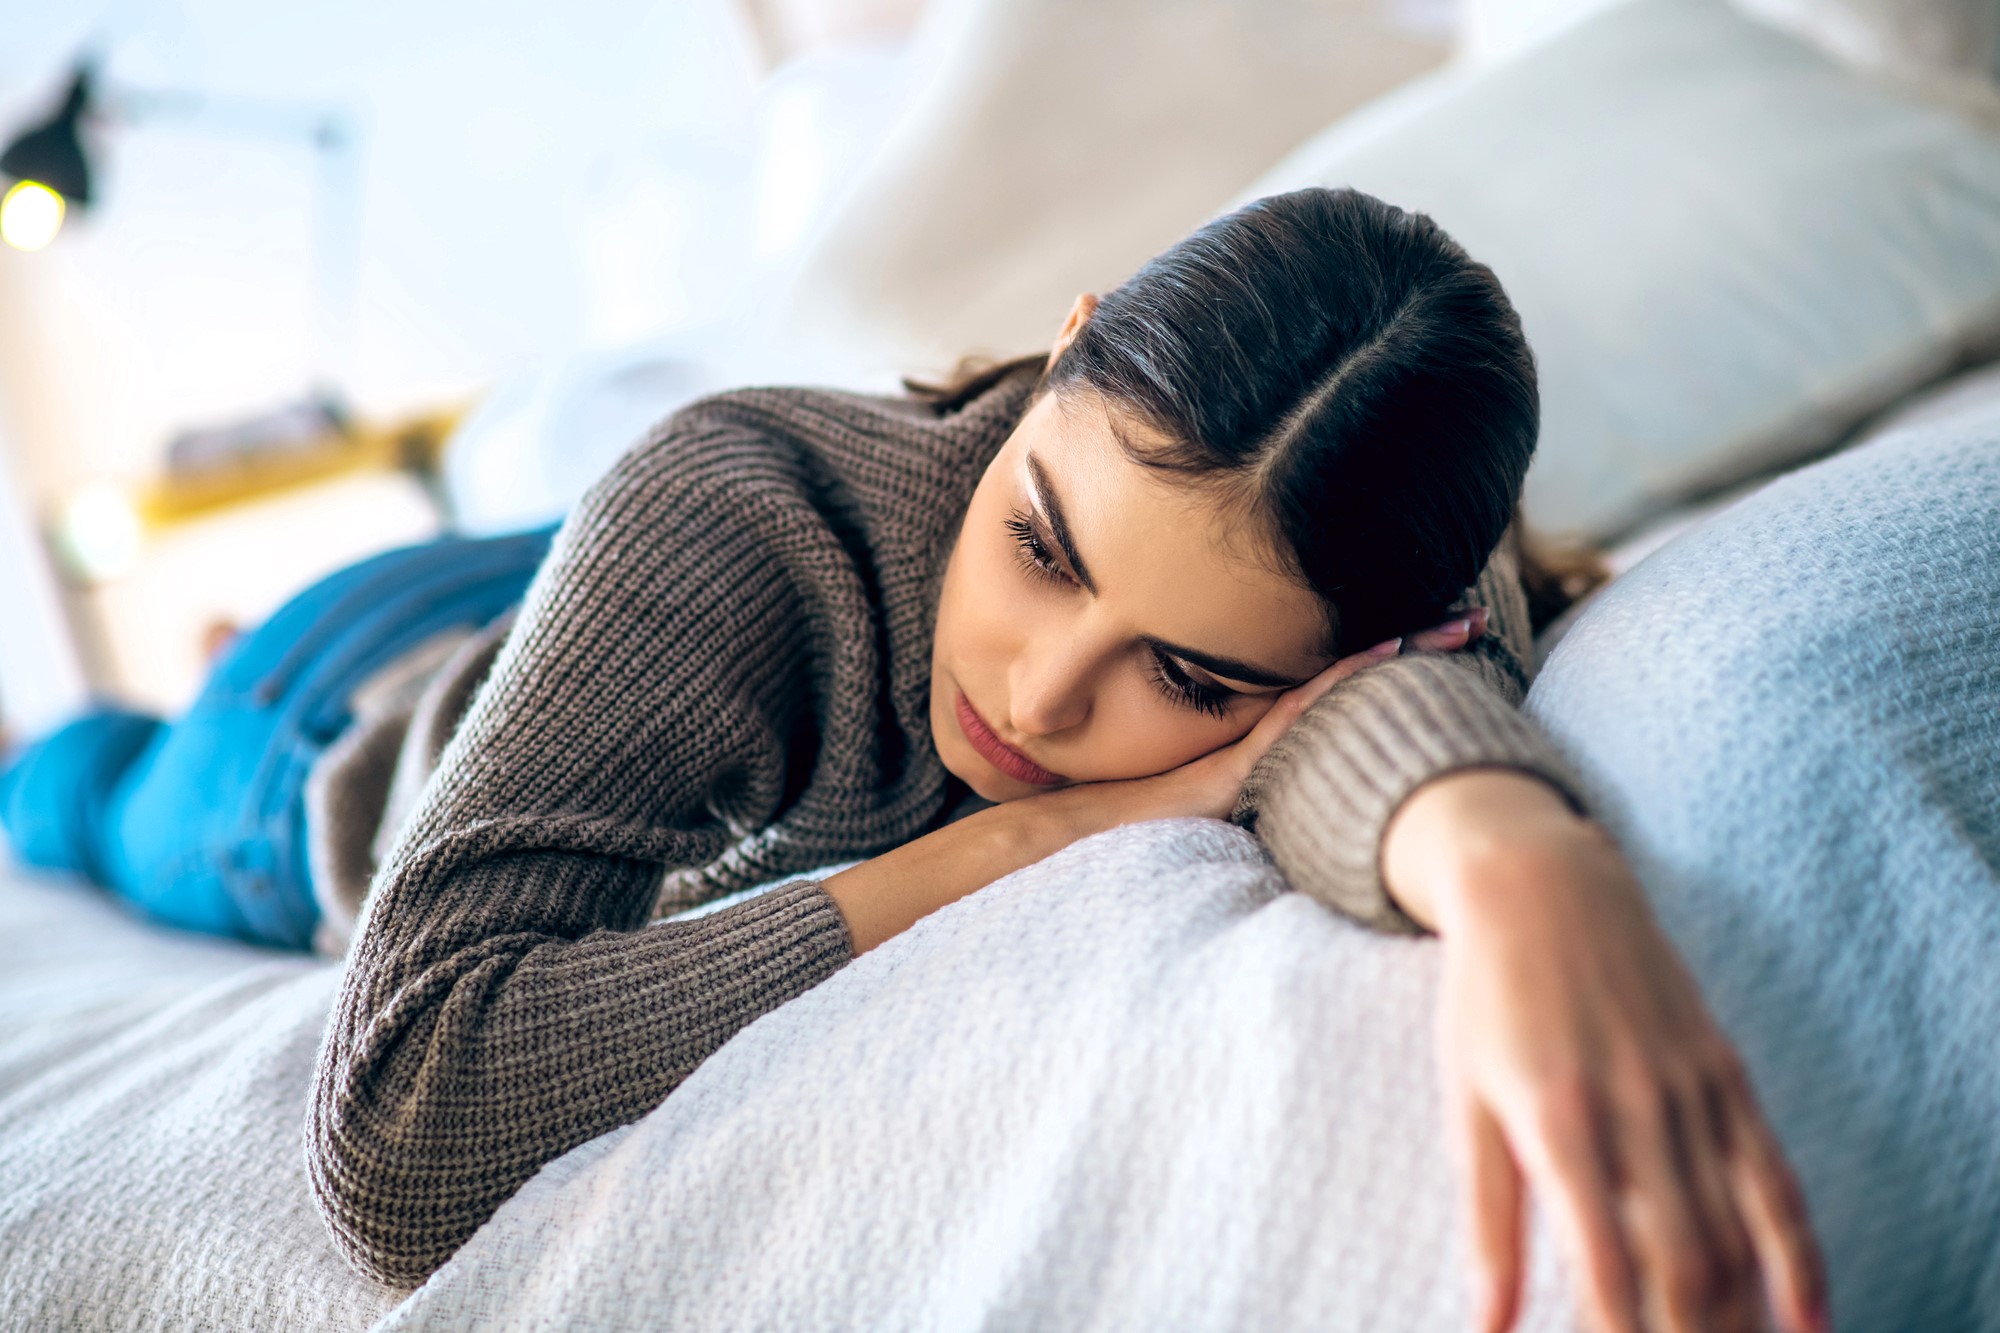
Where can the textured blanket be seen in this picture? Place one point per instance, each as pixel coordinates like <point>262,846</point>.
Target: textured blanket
<point>152,1092</point>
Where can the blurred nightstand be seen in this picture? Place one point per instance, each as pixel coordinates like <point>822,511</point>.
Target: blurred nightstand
<point>236,565</point>
<point>42,679</point>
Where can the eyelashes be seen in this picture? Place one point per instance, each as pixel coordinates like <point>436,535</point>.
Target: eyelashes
<point>1186,691</point>
<point>1040,564</point>
<point>1033,555</point>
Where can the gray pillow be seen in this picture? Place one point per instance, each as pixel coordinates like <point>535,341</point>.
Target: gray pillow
<point>1922,39</point>
<point>1727,248</point>
<point>1791,718</point>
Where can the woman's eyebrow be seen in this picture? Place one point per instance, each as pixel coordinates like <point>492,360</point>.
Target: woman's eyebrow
<point>1229,668</point>
<point>1051,505</point>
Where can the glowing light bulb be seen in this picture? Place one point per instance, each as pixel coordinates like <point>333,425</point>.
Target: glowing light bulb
<point>101,533</point>
<point>30,215</point>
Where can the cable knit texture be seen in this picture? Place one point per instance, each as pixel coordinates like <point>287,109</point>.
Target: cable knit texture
<point>720,676</point>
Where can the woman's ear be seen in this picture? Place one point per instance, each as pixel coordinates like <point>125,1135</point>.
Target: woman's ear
<point>1079,315</point>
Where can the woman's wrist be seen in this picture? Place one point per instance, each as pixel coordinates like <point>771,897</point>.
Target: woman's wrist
<point>887,894</point>
<point>1460,843</point>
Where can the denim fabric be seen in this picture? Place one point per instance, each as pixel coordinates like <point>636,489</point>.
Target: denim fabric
<point>201,823</point>
<point>53,793</point>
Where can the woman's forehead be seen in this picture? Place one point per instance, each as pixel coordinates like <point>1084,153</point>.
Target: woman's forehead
<point>1172,557</point>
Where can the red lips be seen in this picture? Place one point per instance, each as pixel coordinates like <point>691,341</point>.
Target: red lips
<point>1000,754</point>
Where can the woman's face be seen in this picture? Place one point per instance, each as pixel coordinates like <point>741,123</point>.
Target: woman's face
<point>1102,620</point>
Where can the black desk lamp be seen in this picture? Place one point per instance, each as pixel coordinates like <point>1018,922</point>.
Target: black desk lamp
<point>52,173</point>
<point>50,169</point>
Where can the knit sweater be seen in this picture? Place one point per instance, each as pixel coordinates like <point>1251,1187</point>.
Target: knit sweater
<point>720,676</point>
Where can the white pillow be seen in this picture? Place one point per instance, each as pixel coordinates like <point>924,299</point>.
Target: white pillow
<point>1053,147</point>
<point>1133,1086</point>
<point>1727,249</point>
<point>1491,30</point>
<point>1973,392</point>
<point>531,449</point>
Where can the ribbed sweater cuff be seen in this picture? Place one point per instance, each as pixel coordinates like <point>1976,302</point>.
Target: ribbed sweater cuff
<point>759,953</point>
<point>1324,796</point>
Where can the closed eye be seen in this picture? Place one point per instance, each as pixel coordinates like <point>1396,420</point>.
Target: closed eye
<point>1034,553</point>
<point>1168,676</point>
<point>1174,682</point>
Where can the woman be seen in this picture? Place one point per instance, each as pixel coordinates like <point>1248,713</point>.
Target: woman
<point>1174,568</point>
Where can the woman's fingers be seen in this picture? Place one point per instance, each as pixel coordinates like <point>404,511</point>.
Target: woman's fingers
<point>1302,696</point>
<point>1449,637</point>
<point>1773,1210</point>
<point>1492,1180</point>
<point>1693,1259</point>
<point>1452,635</point>
<point>1457,631</point>
<point>1243,755</point>
<point>1567,1161</point>
<point>1703,1156</point>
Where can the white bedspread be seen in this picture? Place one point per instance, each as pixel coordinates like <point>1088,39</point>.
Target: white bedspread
<point>1136,1086</point>
<point>152,1090</point>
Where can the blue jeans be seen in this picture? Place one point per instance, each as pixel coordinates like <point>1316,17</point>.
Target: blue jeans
<point>201,822</point>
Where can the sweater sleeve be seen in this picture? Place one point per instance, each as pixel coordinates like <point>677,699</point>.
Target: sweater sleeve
<point>1323,796</point>
<point>505,999</point>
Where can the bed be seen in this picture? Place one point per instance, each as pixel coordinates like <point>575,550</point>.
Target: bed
<point>1140,1085</point>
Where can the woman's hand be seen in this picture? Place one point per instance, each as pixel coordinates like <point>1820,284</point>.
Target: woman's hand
<point>1579,1059</point>
<point>1211,784</point>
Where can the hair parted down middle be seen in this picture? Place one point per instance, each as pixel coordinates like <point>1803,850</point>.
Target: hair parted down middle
<point>1357,380</point>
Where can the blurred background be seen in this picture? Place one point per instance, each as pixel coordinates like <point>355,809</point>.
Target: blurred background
<point>385,216</point>
<point>400,207</point>
<point>286,285</point>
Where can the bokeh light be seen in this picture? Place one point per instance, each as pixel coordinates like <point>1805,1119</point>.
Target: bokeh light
<point>101,533</point>
<point>31,215</point>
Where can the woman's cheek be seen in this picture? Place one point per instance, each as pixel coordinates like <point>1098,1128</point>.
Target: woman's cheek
<point>1148,733</point>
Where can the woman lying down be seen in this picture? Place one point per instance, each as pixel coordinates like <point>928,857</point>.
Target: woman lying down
<point>1210,556</point>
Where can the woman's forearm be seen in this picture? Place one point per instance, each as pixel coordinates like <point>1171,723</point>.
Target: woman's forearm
<point>885,896</point>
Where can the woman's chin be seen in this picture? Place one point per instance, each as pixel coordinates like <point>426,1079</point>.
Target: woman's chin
<point>986,784</point>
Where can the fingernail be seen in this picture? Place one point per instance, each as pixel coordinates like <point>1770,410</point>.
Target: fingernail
<point>1459,626</point>
<point>1389,649</point>
<point>1480,615</point>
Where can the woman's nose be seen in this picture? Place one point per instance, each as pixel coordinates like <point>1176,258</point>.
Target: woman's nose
<point>1051,693</point>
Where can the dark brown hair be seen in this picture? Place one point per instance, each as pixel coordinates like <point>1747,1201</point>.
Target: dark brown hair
<point>1362,380</point>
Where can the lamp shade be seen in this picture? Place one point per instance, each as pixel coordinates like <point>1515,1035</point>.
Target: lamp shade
<point>51,153</point>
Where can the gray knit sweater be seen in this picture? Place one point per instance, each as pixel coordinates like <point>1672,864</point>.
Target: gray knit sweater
<point>720,676</point>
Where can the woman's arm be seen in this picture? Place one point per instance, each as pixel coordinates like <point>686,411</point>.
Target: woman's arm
<point>1577,1055</point>
<point>505,999</point>
<point>884,896</point>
